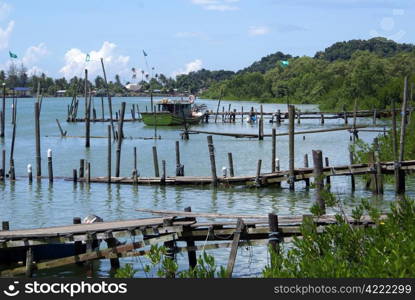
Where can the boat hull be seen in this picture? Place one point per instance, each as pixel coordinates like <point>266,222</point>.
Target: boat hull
<point>167,119</point>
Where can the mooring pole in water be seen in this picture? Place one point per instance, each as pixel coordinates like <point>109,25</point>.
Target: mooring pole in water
<point>318,178</point>
<point>274,150</point>
<point>81,168</point>
<point>119,141</point>
<point>50,166</point>
<point>74,176</point>
<point>258,182</point>
<point>3,164</point>
<point>306,165</point>
<point>87,112</point>
<point>190,243</point>
<point>179,166</point>
<point>378,167</point>
<point>279,117</point>
<point>274,234</point>
<point>328,179</point>
<point>12,144</point>
<point>261,124</point>
<point>155,162</point>
<point>242,114</point>
<point>298,116</point>
<point>88,172</point>
<point>5,226</point>
<point>135,157</point>
<point>163,172</point>
<point>230,161</point>
<point>109,156</point>
<point>12,172</point>
<point>211,148</point>
<point>3,112</point>
<point>37,140</point>
<point>109,98</point>
<point>29,173</point>
<point>399,173</point>
<point>291,113</point>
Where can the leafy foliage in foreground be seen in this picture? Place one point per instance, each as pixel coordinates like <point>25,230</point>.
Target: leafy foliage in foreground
<point>386,250</point>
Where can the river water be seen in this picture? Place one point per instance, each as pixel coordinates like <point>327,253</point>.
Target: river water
<point>42,204</point>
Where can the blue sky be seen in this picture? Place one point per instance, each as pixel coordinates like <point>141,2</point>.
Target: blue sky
<point>184,35</point>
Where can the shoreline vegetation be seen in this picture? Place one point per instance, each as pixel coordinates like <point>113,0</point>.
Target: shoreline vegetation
<point>369,71</point>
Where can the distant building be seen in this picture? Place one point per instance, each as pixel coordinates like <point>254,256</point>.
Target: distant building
<point>22,91</point>
<point>60,93</point>
<point>134,87</point>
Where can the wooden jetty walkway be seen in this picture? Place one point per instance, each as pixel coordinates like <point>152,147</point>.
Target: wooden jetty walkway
<point>262,179</point>
<point>168,229</point>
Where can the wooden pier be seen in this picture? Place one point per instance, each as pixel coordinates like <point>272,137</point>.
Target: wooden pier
<point>265,178</point>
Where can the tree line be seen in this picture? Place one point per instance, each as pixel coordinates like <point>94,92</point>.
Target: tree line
<point>370,71</point>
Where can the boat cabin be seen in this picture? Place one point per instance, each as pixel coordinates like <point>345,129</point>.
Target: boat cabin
<point>175,107</point>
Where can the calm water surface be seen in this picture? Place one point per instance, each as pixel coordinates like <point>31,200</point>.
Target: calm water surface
<point>41,204</point>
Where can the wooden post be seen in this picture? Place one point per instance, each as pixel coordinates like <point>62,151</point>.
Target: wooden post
<point>12,172</point>
<point>258,174</point>
<point>74,176</point>
<point>3,163</point>
<point>155,162</point>
<point>109,156</point>
<point>163,172</point>
<point>5,226</point>
<point>234,249</point>
<point>318,178</point>
<point>37,141</point>
<point>291,147</point>
<point>298,116</point>
<point>274,235</point>
<point>346,121</point>
<point>230,161</point>
<point>12,143</point>
<point>399,173</point>
<point>274,150</point>
<point>135,157</point>
<point>277,169</point>
<point>322,119</point>
<point>261,124</point>
<point>112,243</point>
<point>3,112</point>
<point>102,109</point>
<point>191,254</point>
<point>50,165</point>
<point>81,168</point>
<point>212,160</point>
<point>29,173</point>
<point>109,97</point>
<point>242,114</point>
<point>355,132</point>
<point>306,165</point>
<point>63,133</point>
<point>179,166</point>
<point>351,158</point>
<point>328,179</point>
<point>87,112</point>
<point>88,172</point>
<point>119,141</point>
<point>279,117</point>
<point>29,262</point>
<point>77,244</point>
<point>378,166</point>
<point>217,109</point>
<point>374,116</point>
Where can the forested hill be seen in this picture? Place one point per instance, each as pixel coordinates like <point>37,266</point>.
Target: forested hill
<point>266,63</point>
<point>380,46</point>
<point>369,71</point>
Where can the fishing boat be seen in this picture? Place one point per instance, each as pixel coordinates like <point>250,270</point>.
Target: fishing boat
<point>174,112</point>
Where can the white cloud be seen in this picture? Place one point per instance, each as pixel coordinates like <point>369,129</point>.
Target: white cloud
<point>34,53</point>
<point>5,35</point>
<point>258,30</point>
<point>4,10</point>
<point>192,66</point>
<point>114,63</point>
<point>218,5</point>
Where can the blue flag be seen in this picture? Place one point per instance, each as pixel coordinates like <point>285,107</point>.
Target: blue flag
<point>145,54</point>
<point>284,63</point>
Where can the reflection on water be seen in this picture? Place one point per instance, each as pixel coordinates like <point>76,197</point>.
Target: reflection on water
<point>42,204</point>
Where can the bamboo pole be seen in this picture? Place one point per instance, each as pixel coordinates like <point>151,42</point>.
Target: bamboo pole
<point>291,146</point>
<point>119,141</point>
<point>37,141</point>
<point>211,148</point>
